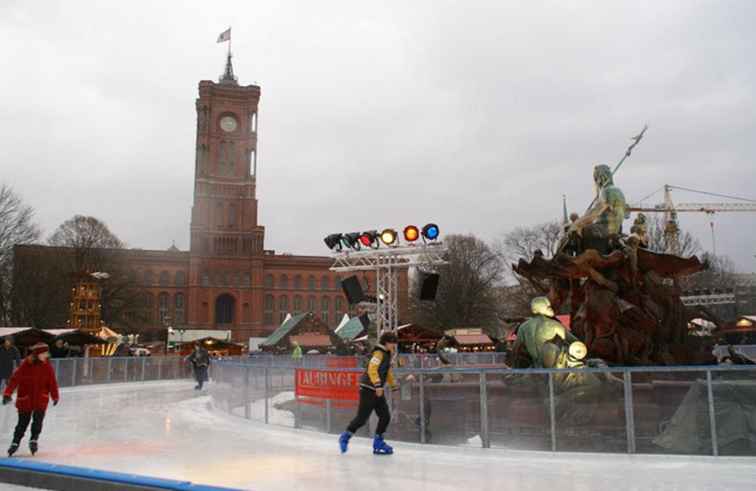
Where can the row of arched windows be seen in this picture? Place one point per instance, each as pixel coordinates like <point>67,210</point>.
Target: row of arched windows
<point>164,278</point>
<point>226,278</point>
<point>171,309</point>
<point>297,282</point>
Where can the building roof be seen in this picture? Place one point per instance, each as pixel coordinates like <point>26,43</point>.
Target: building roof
<point>283,330</point>
<point>472,339</point>
<point>352,329</point>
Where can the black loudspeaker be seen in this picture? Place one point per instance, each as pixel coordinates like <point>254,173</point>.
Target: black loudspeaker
<point>365,320</point>
<point>428,286</point>
<point>352,290</point>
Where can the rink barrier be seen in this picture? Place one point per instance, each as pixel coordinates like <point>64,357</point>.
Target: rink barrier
<point>643,417</point>
<point>423,360</point>
<point>68,478</point>
<point>74,372</point>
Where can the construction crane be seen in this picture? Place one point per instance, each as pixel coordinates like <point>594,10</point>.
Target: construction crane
<point>670,210</point>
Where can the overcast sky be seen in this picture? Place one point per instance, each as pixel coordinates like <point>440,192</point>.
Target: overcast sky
<point>475,115</point>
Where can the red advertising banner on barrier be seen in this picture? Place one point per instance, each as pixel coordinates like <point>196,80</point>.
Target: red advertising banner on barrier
<point>327,384</point>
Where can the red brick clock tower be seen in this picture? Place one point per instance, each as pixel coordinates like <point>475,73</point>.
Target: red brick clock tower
<point>227,243</point>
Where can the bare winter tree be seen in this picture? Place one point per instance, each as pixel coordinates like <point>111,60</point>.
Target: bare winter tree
<point>522,243</point>
<point>82,245</point>
<point>467,291</point>
<point>16,227</point>
<point>689,245</point>
<point>89,239</point>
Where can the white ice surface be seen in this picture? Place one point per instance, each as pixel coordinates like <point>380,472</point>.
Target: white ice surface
<point>166,429</point>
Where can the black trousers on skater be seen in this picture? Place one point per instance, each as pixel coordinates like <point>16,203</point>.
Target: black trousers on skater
<point>36,418</point>
<point>370,402</point>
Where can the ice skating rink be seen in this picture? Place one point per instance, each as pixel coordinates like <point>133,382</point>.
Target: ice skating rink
<point>166,429</point>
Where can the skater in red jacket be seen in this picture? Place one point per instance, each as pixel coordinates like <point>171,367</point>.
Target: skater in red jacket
<point>35,379</point>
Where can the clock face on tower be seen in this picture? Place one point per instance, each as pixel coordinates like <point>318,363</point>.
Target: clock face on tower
<point>228,124</point>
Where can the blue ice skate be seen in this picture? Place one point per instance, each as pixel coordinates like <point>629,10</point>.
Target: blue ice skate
<point>380,447</point>
<point>344,441</point>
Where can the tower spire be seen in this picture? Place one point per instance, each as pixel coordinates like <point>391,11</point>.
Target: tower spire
<point>228,76</point>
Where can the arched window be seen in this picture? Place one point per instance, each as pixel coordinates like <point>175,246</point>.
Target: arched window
<point>325,283</point>
<point>179,303</point>
<point>284,282</point>
<point>205,281</point>
<point>311,283</point>
<point>149,277</point>
<point>246,280</point>
<point>283,308</point>
<point>339,305</point>
<point>338,282</point>
<point>298,282</point>
<point>180,278</point>
<point>219,215</point>
<point>165,278</point>
<point>224,309</point>
<point>268,310</point>
<point>297,304</point>
<point>163,301</point>
<point>236,280</point>
<point>325,306</point>
<point>268,281</point>
<point>311,305</point>
<point>133,277</point>
<point>232,215</point>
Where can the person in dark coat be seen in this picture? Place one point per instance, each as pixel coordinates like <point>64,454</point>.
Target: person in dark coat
<point>59,349</point>
<point>200,360</point>
<point>10,358</point>
<point>36,384</point>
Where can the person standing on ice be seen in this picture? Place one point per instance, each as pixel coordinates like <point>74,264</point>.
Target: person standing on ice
<point>36,383</point>
<point>377,375</point>
<point>10,358</point>
<point>200,360</point>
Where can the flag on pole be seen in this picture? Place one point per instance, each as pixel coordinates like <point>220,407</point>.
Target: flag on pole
<point>224,36</point>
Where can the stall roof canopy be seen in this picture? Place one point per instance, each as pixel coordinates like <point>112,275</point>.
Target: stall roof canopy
<point>352,329</point>
<point>312,340</point>
<point>283,330</point>
<point>472,339</point>
<point>212,342</point>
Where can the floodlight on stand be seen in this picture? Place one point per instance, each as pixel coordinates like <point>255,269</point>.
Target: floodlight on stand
<point>351,240</point>
<point>389,236</point>
<point>411,233</point>
<point>333,242</point>
<point>370,239</point>
<point>430,232</point>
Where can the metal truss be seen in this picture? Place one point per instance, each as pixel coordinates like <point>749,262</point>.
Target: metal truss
<point>714,299</point>
<point>387,263</point>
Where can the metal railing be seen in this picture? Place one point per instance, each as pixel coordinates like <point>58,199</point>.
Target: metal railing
<point>72,372</point>
<point>659,410</point>
<point>405,360</point>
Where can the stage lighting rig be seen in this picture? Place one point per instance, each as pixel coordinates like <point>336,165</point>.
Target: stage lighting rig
<point>333,242</point>
<point>370,239</point>
<point>389,236</point>
<point>352,241</point>
<point>411,233</point>
<point>430,232</point>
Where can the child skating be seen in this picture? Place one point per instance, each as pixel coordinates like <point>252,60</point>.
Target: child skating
<point>36,383</point>
<point>377,376</point>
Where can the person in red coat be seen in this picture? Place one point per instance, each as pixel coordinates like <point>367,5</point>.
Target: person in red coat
<point>36,383</point>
